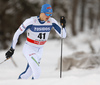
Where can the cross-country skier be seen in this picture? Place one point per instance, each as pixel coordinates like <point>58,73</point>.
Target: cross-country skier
<point>38,29</point>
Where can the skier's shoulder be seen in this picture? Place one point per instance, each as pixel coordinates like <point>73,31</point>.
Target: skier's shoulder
<point>29,20</point>
<point>33,17</point>
<point>53,20</point>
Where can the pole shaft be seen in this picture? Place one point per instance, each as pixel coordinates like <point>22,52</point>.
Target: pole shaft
<point>3,61</point>
<point>61,52</point>
<point>61,57</point>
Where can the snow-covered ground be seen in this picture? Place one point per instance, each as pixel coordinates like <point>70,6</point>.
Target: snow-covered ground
<point>49,75</point>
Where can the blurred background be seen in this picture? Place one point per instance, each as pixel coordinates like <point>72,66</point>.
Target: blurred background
<point>81,15</point>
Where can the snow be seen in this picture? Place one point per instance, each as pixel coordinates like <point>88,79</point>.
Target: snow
<point>49,75</point>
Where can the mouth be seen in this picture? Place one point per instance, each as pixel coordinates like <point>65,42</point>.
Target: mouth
<point>47,19</point>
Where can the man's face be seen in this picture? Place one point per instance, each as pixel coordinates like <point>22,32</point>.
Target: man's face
<point>46,16</point>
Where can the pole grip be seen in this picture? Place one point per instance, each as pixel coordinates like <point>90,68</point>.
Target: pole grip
<point>62,21</point>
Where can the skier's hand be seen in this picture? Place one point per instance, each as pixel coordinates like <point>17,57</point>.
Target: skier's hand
<point>9,53</point>
<point>62,21</point>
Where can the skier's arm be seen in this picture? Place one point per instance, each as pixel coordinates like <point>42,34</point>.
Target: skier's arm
<point>20,30</point>
<point>10,52</point>
<point>16,36</point>
<point>58,28</point>
<point>23,27</point>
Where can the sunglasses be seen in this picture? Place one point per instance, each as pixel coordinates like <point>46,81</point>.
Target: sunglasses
<point>48,14</point>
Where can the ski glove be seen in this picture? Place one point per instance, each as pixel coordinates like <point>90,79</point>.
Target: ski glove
<point>62,21</point>
<point>9,53</point>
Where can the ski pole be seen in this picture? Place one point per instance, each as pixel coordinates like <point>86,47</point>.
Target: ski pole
<point>3,61</point>
<point>61,58</point>
<point>62,22</point>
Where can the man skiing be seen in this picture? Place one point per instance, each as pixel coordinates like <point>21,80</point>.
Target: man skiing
<point>38,29</point>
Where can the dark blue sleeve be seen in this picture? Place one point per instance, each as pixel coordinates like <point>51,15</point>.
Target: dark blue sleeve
<point>56,27</point>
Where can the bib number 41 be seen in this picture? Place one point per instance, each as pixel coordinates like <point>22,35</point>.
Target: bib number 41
<point>41,35</point>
